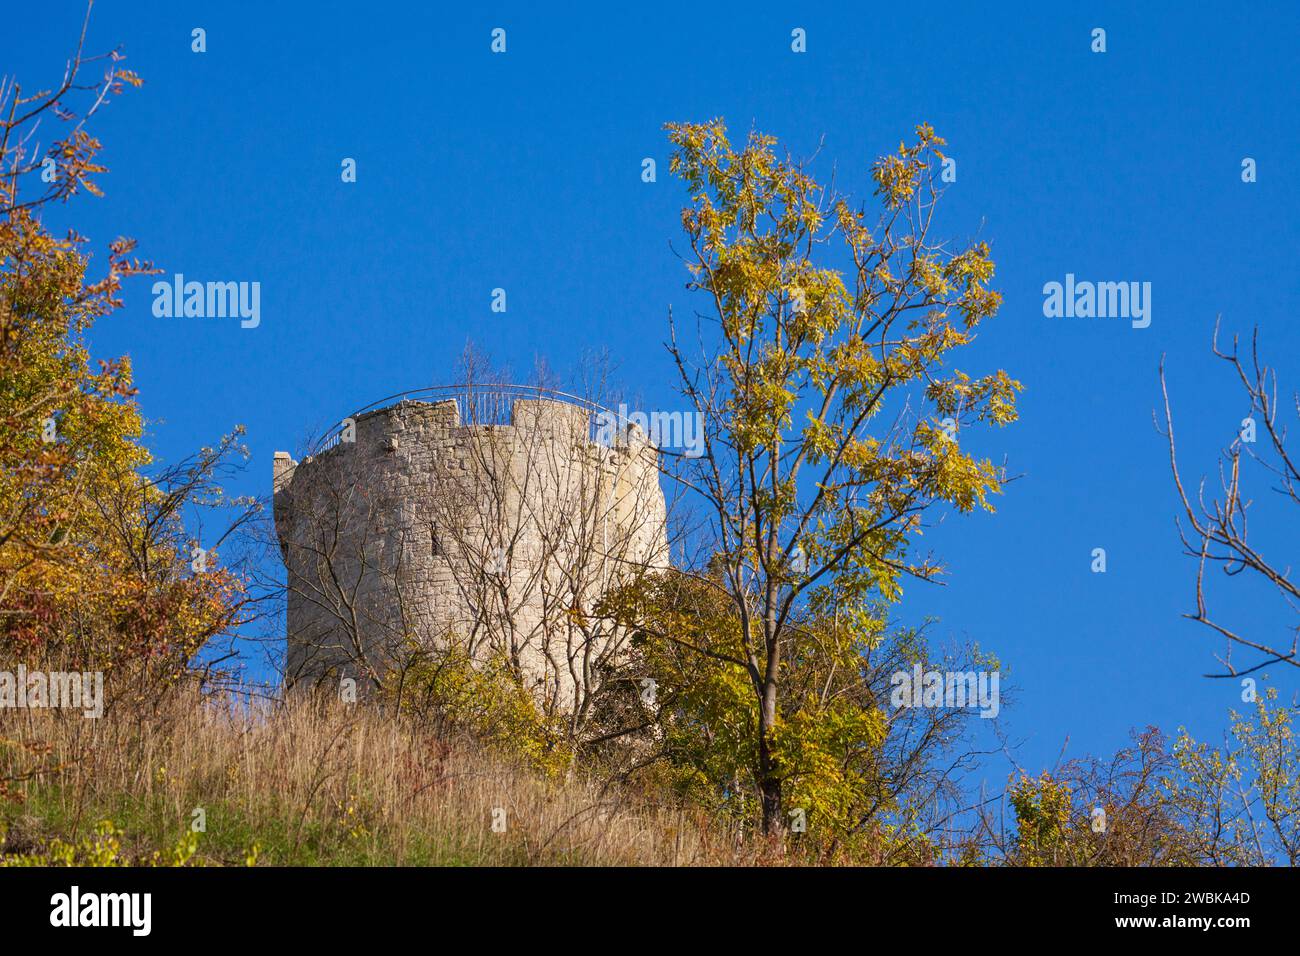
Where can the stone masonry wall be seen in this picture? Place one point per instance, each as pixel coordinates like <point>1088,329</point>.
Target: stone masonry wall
<point>424,531</point>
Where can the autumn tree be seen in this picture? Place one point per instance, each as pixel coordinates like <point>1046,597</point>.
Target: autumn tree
<point>1116,811</point>
<point>96,566</point>
<point>862,781</point>
<point>1162,803</point>
<point>1240,802</point>
<point>832,425</point>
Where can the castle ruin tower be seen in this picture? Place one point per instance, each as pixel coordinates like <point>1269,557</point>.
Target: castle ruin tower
<point>489,523</point>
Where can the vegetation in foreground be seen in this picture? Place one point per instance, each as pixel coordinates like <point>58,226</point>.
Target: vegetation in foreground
<point>312,782</point>
<point>194,780</point>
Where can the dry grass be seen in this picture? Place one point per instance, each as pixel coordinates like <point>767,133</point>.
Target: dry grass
<point>318,783</point>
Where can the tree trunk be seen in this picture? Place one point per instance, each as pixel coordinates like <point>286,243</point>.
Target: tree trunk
<point>769,780</point>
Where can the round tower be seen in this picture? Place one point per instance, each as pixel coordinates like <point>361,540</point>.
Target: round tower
<point>493,521</point>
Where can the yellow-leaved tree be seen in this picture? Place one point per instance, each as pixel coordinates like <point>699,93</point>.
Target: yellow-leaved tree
<point>832,425</point>
<point>95,564</point>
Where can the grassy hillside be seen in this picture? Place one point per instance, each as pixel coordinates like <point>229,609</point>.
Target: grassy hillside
<point>312,783</point>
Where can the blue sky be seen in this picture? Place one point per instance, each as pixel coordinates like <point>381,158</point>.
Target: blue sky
<point>522,171</point>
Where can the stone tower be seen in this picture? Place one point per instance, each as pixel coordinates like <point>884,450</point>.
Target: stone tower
<point>492,522</point>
